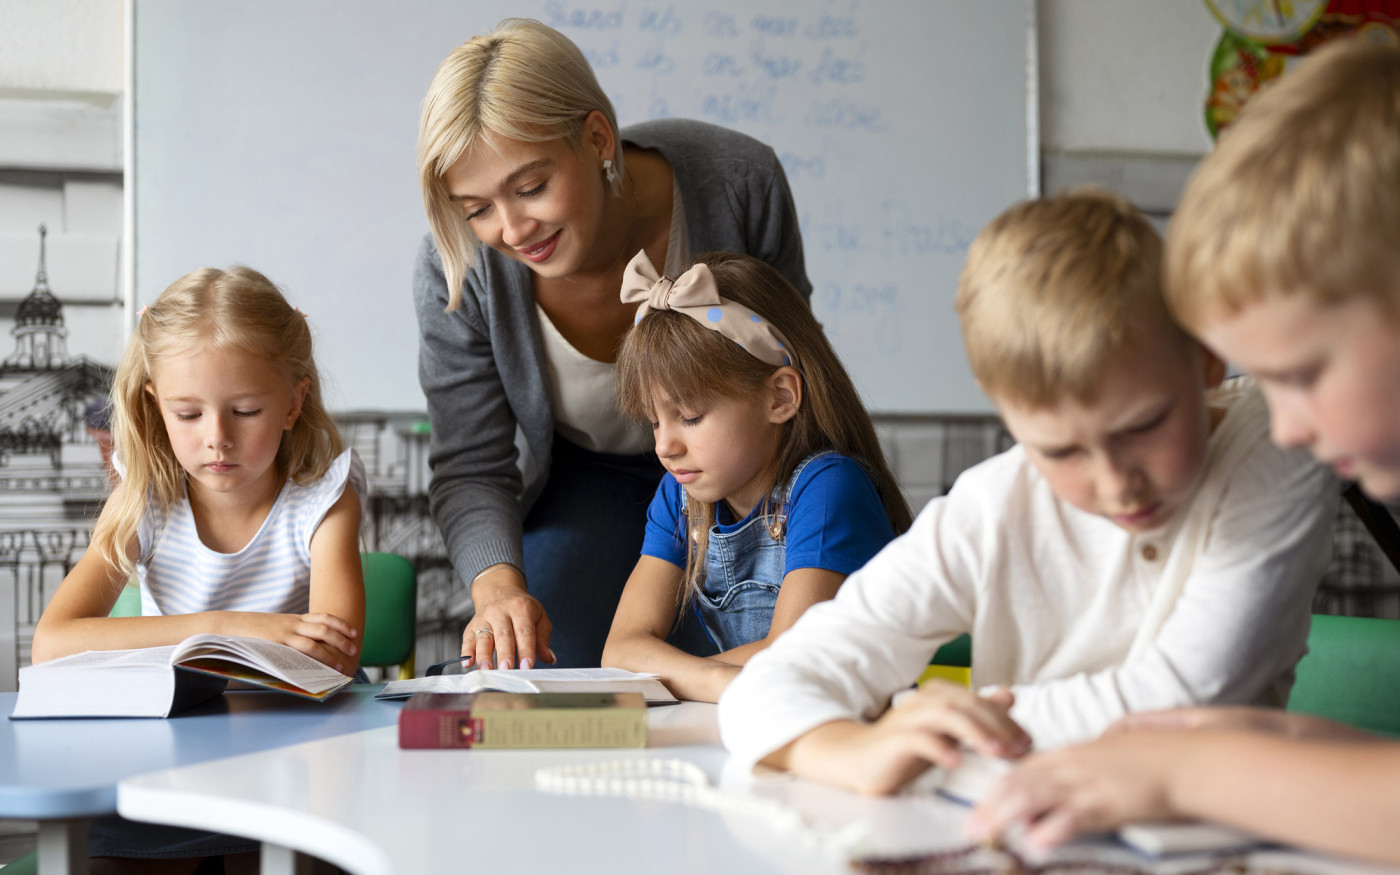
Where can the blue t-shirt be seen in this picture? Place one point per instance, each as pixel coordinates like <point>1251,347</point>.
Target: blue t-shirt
<point>835,519</point>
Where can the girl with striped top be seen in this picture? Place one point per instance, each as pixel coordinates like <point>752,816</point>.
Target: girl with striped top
<point>232,509</point>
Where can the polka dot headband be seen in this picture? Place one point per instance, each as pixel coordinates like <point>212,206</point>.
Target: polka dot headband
<point>695,294</point>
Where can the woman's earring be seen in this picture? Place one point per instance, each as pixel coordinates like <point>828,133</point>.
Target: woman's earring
<point>608,172</point>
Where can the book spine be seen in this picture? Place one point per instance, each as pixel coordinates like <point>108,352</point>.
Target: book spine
<point>434,729</point>
<point>427,729</point>
<point>615,727</point>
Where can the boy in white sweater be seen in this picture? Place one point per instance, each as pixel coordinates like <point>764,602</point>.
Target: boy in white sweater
<point>1282,256</point>
<point>1144,546</point>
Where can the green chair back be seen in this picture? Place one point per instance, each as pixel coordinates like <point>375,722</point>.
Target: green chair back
<point>952,662</point>
<point>26,865</point>
<point>129,602</point>
<point>957,652</point>
<point>391,612</point>
<point>1351,673</point>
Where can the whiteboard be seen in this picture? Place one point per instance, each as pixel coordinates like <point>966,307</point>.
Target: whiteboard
<point>281,135</point>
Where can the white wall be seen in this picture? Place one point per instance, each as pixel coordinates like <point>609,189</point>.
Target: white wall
<point>1125,75</point>
<point>61,78</point>
<point>61,45</point>
<point>1117,76</point>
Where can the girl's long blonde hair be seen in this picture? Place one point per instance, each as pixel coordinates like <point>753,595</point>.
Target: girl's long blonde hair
<point>235,309</point>
<point>697,367</point>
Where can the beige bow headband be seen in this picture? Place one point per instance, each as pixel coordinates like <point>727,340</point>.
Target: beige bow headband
<point>695,294</point>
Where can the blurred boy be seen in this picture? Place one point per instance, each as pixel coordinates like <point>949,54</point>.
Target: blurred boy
<point>1143,546</point>
<point>1283,257</point>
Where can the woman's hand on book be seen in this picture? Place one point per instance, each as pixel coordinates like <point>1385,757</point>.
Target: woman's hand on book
<point>510,627</point>
<point>324,637</point>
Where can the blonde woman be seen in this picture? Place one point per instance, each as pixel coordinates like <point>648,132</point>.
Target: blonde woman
<point>537,201</point>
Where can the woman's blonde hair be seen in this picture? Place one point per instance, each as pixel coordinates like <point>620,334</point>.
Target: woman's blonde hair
<point>1053,288</point>
<point>1302,194</point>
<point>209,309</point>
<point>523,81</point>
<point>696,367</point>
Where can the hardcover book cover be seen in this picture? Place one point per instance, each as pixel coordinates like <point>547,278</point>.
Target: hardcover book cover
<point>161,681</point>
<point>523,720</point>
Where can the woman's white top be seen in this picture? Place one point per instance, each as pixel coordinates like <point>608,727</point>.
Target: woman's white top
<point>271,574</point>
<point>1083,620</point>
<point>583,390</point>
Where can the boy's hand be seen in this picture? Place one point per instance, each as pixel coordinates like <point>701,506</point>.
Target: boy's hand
<point>924,729</point>
<point>1057,795</point>
<point>324,637</point>
<point>1271,720</point>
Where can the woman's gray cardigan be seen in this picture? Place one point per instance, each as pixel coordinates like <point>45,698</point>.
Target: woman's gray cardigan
<point>482,365</point>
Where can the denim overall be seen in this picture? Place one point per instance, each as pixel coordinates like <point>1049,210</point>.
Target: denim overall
<point>743,570</point>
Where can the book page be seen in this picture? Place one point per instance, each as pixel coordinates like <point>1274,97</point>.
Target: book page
<point>472,682</point>
<point>140,657</point>
<point>535,680</point>
<point>280,662</point>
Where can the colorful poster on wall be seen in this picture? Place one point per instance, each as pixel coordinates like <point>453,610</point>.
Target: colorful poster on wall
<point>1263,38</point>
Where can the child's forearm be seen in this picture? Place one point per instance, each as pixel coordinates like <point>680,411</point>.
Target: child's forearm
<point>696,678</point>
<point>813,750</point>
<point>1335,796</point>
<point>740,656</point>
<point>55,638</point>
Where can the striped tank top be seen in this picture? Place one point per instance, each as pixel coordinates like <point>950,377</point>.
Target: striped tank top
<point>271,574</point>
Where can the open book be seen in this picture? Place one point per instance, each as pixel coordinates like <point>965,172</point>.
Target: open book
<point>970,781</point>
<point>160,681</point>
<point>536,680</point>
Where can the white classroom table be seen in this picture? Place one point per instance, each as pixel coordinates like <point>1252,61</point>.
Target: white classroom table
<point>64,772</point>
<point>362,803</point>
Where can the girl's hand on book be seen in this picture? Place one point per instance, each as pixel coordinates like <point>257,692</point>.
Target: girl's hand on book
<point>926,728</point>
<point>1057,795</point>
<point>324,637</point>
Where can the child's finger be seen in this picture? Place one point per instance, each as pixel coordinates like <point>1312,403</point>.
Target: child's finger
<point>980,731</point>
<point>1056,827</point>
<point>329,636</point>
<point>1017,797</point>
<point>1001,696</point>
<point>935,749</point>
<point>981,724</point>
<point>332,621</point>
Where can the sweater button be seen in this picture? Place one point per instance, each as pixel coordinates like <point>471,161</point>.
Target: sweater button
<point>1149,552</point>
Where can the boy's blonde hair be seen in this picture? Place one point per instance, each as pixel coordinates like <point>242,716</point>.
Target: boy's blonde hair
<point>209,309</point>
<point>696,367</point>
<point>1302,194</point>
<point>523,81</point>
<point>1053,289</point>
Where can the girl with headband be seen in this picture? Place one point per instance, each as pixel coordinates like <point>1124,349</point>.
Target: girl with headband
<point>536,201</point>
<point>237,510</point>
<point>776,487</point>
